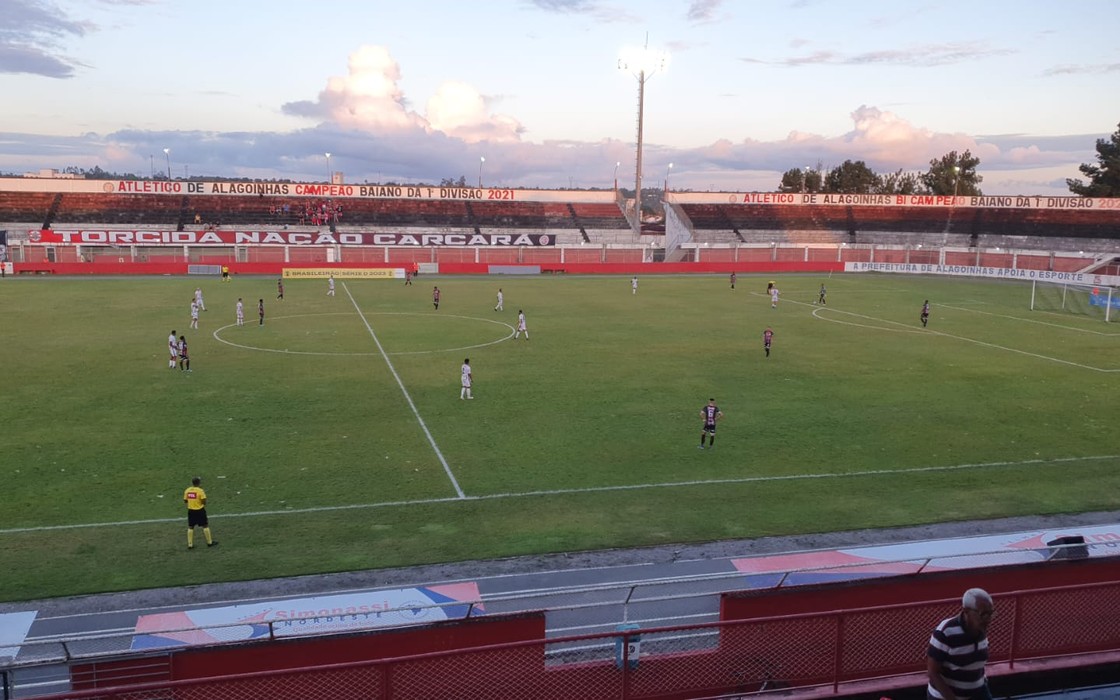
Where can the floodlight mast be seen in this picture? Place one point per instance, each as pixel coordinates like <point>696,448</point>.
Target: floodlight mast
<point>643,63</point>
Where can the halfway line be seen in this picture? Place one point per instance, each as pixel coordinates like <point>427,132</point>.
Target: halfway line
<point>407,397</point>
<point>592,489</point>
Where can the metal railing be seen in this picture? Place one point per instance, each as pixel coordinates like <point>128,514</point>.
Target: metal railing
<point>827,651</point>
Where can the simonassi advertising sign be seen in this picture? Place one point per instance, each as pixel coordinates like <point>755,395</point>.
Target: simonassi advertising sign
<point>298,238</point>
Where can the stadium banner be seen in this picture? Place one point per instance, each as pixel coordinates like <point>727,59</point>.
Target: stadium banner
<point>381,273</point>
<point>348,612</point>
<point>178,188</point>
<point>981,271</point>
<point>301,238</point>
<point>925,201</point>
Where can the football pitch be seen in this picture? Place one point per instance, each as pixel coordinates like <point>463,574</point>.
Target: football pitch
<point>333,438</point>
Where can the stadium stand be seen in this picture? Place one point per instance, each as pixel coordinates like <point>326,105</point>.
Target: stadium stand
<point>26,207</point>
<point>129,210</point>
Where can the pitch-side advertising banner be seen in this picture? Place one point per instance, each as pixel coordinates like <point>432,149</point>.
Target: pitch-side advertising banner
<point>307,616</point>
<point>982,271</point>
<point>380,273</point>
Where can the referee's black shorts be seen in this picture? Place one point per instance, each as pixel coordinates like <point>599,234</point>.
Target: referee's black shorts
<point>197,518</point>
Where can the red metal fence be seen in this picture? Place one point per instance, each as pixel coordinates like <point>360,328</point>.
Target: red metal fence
<point>879,647</point>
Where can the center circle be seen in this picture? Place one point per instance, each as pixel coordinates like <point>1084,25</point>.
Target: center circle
<point>323,334</point>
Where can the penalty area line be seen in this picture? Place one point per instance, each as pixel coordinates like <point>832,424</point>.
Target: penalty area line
<point>592,489</point>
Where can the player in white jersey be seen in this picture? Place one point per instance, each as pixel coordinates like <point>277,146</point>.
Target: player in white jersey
<point>521,325</point>
<point>330,286</point>
<point>173,348</point>
<point>467,380</point>
<point>240,312</point>
<point>198,298</point>
<point>501,301</point>
<point>194,314</point>
<point>634,285</point>
<point>774,297</point>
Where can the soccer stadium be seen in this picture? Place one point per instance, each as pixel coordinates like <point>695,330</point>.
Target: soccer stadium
<point>300,405</point>
<point>334,420</point>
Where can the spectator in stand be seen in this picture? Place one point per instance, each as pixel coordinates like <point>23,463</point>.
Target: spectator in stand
<point>958,651</point>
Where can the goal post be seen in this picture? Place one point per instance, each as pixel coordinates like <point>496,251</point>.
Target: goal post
<point>1079,299</point>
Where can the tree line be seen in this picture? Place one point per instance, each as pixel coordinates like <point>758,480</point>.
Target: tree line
<point>951,174</point>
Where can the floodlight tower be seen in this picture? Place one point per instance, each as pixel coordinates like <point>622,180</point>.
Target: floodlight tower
<point>167,155</point>
<point>643,64</point>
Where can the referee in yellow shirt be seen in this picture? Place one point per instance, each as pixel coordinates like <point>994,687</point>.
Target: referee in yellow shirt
<point>195,498</point>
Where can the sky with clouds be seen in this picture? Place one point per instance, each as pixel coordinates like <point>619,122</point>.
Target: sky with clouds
<point>531,93</point>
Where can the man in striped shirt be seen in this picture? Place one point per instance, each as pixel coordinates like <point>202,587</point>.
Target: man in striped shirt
<point>958,651</point>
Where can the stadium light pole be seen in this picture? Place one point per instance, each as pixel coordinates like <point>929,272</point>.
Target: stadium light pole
<point>481,160</point>
<point>167,155</point>
<point>152,165</point>
<point>616,164</point>
<point>956,185</point>
<point>643,64</point>
<point>330,173</point>
<point>665,189</point>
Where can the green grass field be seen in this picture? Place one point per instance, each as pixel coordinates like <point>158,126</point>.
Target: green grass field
<point>320,454</point>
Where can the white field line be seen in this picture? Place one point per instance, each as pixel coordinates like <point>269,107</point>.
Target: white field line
<point>1031,320</point>
<point>407,396</point>
<point>593,489</point>
<point>907,329</point>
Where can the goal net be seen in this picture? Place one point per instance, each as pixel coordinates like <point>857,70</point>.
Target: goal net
<point>1082,300</point>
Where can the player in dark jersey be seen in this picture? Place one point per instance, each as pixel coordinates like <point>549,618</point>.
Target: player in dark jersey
<point>767,337</point>
<point>435,297</point>
<point>711,414</point>
<point>260,311</point>
<point>925,313</point>
<point>820,299</point>
<point>733,278</point>
<point>279,287</point>
<point>184,355</point>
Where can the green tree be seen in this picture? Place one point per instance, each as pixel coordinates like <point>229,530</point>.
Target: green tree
<point>793,180</point>
<point>851,178</point>
<point>1104,178</point>
<point>899,182</point>
<point>953,174</point>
